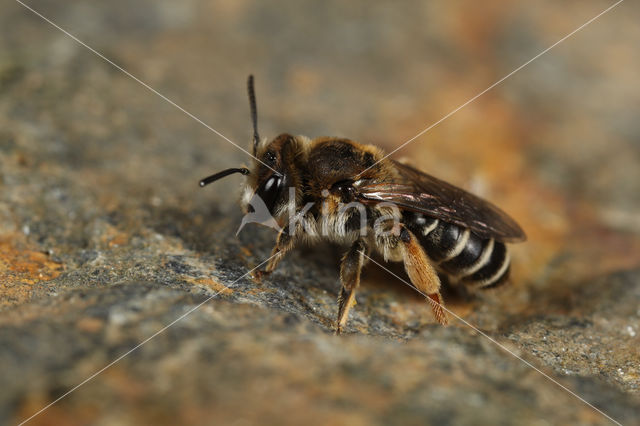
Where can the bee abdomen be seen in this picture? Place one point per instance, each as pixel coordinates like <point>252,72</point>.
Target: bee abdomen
<point>459,252</point>
<point>493,270</point>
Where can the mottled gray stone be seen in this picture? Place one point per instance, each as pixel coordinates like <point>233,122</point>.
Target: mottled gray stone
<point>105,237</point>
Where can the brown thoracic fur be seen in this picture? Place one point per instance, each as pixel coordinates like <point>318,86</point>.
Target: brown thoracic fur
<point>321,162</point>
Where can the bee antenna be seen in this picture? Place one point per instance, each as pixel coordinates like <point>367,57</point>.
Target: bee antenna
<point>254,113</point>
<point>224,173</point>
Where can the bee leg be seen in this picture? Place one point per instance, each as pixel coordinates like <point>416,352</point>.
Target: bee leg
<point>284,243</point>
<point>422,273</point>
<point>350,268</point>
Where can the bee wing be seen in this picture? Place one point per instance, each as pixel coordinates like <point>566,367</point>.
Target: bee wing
<point>419,192</point>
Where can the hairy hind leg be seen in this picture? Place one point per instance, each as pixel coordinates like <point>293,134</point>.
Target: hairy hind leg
<point>422,273</point>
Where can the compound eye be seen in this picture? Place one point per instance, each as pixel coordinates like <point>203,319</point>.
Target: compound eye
<point>272,183</point>
<point>270,190</point>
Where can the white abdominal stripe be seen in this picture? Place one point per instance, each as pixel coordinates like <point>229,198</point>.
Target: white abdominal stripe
<point>460,253</point>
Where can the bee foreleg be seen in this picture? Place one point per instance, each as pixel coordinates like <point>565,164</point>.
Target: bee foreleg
<point>350,269</point>
<point>284,243</point>
<point>421,273</point>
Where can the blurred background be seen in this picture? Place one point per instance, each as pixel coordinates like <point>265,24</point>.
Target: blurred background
<point>105,236</point>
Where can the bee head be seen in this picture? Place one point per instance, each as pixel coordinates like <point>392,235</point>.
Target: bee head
<point>270,175</point>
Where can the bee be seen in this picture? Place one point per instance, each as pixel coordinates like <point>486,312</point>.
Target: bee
<point>349,193</point>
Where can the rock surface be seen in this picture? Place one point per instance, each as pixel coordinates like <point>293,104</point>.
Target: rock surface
<point>105,238</point>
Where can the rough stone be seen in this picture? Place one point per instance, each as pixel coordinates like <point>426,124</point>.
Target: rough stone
<point>106,239</point>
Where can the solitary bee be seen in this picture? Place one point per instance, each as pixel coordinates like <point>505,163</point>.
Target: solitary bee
<point>350,193</point>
